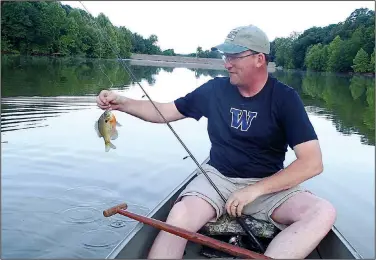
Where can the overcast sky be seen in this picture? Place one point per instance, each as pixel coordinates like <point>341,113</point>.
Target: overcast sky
<point>183,26</point>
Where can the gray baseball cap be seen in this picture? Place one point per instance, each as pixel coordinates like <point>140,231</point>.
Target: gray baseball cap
<point>245,38</point>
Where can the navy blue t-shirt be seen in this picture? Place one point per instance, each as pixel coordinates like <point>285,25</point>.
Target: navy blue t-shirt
<point>249,135</point>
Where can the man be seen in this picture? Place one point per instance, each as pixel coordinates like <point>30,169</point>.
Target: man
<point>252,118</point>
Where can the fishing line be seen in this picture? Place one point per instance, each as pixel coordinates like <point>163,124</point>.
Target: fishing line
<point>240,220</point>
<point>112,84</point>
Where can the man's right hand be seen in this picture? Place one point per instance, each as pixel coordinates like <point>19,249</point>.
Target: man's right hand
<point>109,100</point>
<point>142,109</point>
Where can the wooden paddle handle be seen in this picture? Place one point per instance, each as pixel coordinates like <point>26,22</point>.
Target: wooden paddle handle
<point>114,210</point>
<point>194,237</point>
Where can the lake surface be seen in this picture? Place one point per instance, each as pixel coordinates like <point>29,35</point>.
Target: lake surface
<point>57,178</point>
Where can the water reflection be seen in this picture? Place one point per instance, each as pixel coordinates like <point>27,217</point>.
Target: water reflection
<point>347,101</point>
<point>32,112</point>
<point>45,76</point>
<point>209,73</point>
<point>36,88</point>
<point>26,80</point>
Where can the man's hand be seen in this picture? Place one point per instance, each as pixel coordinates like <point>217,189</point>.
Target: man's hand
<point>109,100</point>
<point>240,198</point>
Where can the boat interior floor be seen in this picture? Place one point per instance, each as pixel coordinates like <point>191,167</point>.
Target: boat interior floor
<point>193,251</point>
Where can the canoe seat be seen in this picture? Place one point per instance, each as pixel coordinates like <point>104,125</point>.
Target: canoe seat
<point>228,226</point>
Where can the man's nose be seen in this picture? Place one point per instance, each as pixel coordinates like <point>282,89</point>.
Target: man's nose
<point>228,65</point>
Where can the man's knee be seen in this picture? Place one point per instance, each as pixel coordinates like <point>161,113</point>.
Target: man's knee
<point>191,213</point>
<point>324,210</point>
<point>179,214</point>
<point>316,207</point>
<point>306,206</point>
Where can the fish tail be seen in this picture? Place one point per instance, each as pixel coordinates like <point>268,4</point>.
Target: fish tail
<point>109,145</point>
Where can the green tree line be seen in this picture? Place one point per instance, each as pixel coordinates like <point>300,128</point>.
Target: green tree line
<point>200,53</point>
<point>348,46</point>
<point>51,28</point>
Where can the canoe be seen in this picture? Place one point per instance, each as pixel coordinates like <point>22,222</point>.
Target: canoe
<point>138,242</point>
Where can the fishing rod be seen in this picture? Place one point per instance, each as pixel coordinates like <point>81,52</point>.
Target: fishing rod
<point>239,220</point>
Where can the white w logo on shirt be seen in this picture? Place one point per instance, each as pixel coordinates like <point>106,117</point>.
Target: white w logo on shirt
<point>242,118</point>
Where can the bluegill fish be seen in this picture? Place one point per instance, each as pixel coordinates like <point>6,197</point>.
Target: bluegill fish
<point>105,127</point>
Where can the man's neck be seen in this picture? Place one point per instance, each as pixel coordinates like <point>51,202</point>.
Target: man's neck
<point>254,86</point>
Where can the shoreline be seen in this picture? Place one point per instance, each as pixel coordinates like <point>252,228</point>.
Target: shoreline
<point>187,62</point>
<point>176,64</point>
<point>182,62</point>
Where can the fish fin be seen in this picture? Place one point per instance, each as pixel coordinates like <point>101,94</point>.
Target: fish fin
<point>118,124</point>
<point>97,129</point>
<point>114,134</point>
<point>108,146</point>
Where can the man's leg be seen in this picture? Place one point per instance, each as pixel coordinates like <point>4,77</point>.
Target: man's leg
<point>309,218</point>
<point>190,213</point>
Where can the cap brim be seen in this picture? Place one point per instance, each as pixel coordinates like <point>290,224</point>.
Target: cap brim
<point>229,48</point>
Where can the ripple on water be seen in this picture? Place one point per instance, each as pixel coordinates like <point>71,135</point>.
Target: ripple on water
<point>81,215</point>
<point>117,223</point>
<point>100,238</point>
<point>89,196</point>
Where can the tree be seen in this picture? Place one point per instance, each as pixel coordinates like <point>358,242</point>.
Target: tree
<point>48,27</point>
<point>169,52</point>
<point>371,67</point>
<point>283,53</point>
<point>340,42</point>
<point>199,51</point>
<point>315,58</point>
<point>361,61</point>
<point>334,55</point>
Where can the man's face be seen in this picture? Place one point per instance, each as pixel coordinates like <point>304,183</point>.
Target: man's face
<point>241,66</point>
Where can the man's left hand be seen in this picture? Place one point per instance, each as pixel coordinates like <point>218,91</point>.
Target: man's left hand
<point>239,199</point>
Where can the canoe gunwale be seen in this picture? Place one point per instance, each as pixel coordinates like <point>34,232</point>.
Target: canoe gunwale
<point>346,243</point>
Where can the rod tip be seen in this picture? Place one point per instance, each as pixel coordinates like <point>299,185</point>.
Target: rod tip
<point>113,210</point>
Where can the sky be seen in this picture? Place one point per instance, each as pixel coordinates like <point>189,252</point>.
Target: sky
<point>183,26</point>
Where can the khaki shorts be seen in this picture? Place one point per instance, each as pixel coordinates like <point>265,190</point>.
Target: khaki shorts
<point>262,208</point>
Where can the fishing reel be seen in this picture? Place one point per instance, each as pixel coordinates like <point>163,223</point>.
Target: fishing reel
<point>236,241</point>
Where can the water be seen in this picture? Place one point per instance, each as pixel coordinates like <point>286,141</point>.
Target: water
<point>57,179</point>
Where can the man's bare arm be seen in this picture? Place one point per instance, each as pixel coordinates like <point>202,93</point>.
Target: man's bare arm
<point>308,164</point>
<point>145,110</point>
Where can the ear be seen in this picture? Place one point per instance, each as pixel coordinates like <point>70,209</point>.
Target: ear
<point>260,60</point>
